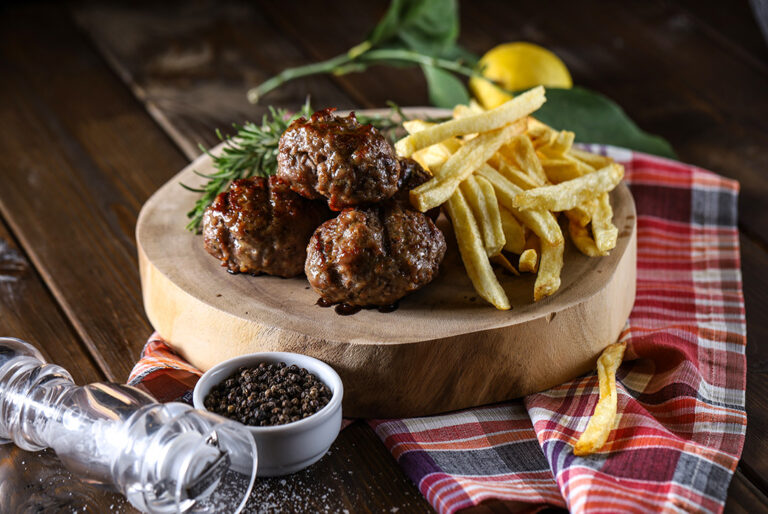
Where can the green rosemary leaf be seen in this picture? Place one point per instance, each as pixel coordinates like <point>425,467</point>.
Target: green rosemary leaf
<point>252,151</point>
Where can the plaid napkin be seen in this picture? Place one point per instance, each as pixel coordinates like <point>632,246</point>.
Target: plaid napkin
<point>680,429</point>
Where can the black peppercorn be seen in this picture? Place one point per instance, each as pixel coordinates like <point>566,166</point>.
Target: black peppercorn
<point>268,394</point>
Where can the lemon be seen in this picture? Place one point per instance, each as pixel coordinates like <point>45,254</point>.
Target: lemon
<point>517,66</point>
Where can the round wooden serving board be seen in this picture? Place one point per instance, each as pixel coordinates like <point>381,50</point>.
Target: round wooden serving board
<point>444,348</point>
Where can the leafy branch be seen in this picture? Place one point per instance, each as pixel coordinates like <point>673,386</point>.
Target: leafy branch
<point>412,33</point>
<point>252,151</point>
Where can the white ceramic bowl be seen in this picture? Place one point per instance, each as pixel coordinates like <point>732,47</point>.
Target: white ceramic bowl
<point>284,449</point>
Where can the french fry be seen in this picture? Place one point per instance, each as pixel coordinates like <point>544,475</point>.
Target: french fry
<point>603,229</point>
<point>583,240</point>
<point>550,265</point>
<point>600,424</point>
<point>459,166</point>
<point>518,107</point>
<point>473,253</point>
<point>582,214</point>
<point>514,175</point>
<point>504,263</point>
<point>514,233</point>
<point>462,111</point>
<point>503,177</point>
<point>558,145</point>
<point>542,222</point>
<point>540,133</point>
<point>433,157</point>
<point>481,198</point>
<point>594,160</point>
<point>413,126</point>
<point>525,157</point>
<point>565,168</point>
<point>529,261</point>
<point>571,193</point>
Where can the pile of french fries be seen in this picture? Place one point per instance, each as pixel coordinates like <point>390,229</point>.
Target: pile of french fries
<point>503,178</point>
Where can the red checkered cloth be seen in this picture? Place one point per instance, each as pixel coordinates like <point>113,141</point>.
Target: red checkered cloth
<point>681,423</point>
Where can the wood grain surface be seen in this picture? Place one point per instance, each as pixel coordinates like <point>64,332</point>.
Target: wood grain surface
<point>92,122</point>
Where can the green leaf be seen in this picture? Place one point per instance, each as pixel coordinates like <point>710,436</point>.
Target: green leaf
<point>445,90</point>
<point>597,119</point>
<point>428,26</point>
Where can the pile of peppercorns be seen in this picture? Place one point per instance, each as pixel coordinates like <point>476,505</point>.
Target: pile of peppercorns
<point>268,394</point>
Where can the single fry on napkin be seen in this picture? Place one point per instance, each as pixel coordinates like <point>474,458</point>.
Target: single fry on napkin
<point>601,422</point>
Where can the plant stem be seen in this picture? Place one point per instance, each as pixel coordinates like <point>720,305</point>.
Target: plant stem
<point>413,57</point>
<point>361,55</point>
<point>294,73</point>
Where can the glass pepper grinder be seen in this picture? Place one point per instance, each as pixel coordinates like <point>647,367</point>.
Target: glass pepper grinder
<point>162,457</point>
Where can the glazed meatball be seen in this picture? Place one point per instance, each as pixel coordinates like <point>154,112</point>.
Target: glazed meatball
<point>373,256</point>
<point>260,226</point>
<point>338,158</point>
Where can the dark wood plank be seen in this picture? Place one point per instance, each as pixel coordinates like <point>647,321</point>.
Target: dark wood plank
<point>733,23</point>
<point>754,262</point>
<point>29,312</point>
<point>37,482</point>
<point>744,497</point>
<point>192,63</point>
<point>80,157</point>
<point>358,475</point>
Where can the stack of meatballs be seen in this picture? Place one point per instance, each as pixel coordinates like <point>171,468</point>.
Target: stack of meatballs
<point>374,252</point>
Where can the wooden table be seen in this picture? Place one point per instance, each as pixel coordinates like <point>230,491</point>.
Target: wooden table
<point>100,104</point>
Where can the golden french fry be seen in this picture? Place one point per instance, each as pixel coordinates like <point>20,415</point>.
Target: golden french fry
<point>459,166</point>
<point>540,133</point>
<point>558,145</point>
<point>565,168</point>
<point>550,265</point>
<point>603,229</point>
<point>473,253</point>
<point>600,424</point>
<point>514,233</point>
<point>525,157</point>
<point>582,214</point>
<point>542,222</point>
<point>504,263</point>
<point>433,157</point>
<point>481,198</point>
<point>594,160</point>
<point>569,194</point>
<point>515,109</point>
<point>462,111</point>
<point>583,240</point>
<point>413,126</point>
<point>518,177</point>
<point>529,261</point>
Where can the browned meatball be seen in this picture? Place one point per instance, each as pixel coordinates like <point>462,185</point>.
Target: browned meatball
<point>373,256</point>
<point>348,163</point>
<point>261,226</point>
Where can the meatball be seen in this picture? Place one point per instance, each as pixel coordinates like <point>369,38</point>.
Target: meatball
<point>260,226</point>
<point>412,175</point>
<point>338,158</point>
<point>373,256</point>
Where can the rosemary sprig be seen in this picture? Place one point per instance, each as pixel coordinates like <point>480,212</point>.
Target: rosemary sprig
<point>252,151</point>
